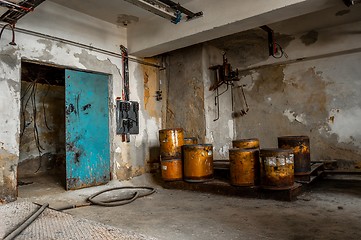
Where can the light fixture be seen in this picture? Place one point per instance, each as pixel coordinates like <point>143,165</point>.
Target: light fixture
<point>166,9</point>
<point>351,2</point>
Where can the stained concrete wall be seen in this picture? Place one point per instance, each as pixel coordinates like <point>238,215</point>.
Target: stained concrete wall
<point>127,159</point>
<point>185,96</point>
<point>315,92</point>
<point>50,122</point>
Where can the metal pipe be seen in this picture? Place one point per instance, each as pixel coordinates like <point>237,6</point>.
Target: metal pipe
<point>81,45</point>
<point>17,6</point>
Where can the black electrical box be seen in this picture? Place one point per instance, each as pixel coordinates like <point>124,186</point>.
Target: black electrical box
<point>127,117</point>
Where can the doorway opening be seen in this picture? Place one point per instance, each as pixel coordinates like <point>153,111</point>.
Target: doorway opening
<point>42,129</point>
<point>64,136</point>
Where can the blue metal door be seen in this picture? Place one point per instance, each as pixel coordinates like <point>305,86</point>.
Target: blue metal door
<point>87,129</point>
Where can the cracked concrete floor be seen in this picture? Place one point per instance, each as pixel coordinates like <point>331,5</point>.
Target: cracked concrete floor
<point>330,210</point>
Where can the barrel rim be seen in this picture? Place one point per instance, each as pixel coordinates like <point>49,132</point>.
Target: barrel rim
<point>243,149</point>
<point>301,137</point>
<point>197,145</point>
<point>246,140</point>
<point>168,129</point>
<point>171,159</point>
<point>279,150</point>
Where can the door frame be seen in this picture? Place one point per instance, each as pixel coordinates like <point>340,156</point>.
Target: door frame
<point>111,113</point>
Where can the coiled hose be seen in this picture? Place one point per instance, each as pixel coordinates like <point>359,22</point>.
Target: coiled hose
<point>107,203</point>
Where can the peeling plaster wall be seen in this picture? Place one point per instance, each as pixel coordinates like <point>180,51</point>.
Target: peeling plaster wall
<point>218,132</point>
<point>127,159</point>
<point>315,92</point>
<point>318,97</point>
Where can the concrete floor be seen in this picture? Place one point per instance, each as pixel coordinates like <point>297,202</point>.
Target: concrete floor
<point>330,210</point>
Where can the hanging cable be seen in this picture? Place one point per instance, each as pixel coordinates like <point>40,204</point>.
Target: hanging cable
<point>12,27</point>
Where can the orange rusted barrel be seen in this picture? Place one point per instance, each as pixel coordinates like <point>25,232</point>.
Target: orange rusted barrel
<point>244,166</point>
<point>190,141</point>
<point>171,142</point>
<point>246,143</point>
<point>172,169</point>
<point>198,162</point>
<point>301,149</point>
<point>277,168</point>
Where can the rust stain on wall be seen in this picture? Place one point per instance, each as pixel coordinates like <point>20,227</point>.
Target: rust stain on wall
<point>151,85</point>
<point>8,181</point>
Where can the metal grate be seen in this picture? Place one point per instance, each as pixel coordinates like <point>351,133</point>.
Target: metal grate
<point>17,11</point>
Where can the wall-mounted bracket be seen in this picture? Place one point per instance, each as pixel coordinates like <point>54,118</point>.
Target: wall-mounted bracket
<point>274,49</point>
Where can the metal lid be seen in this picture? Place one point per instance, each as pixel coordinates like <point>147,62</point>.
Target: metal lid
<point>276,150</point>
<point>246,140</point>
<point>294,137</point>
<point>171,129</point>
<point>197,145</point>
<point>243,149</point>
<point>170,159</point>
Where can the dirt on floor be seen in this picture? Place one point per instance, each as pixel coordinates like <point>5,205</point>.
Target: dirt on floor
<point>331,209</point>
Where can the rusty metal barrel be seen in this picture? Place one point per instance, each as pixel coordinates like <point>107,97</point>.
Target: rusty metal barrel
<point>171,142</point>
<point>172,169</point>
<point>277,168</point>
<point>244,166</point>
<point>246,143</point>
<point>301,149</point>
<point>190,141</point>
<point>197,162</point>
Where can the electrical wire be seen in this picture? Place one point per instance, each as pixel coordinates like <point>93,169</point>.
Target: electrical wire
<point>283,53</point>
<point>32,88</point>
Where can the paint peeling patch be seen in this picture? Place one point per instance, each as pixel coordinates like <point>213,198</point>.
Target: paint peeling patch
<point>346,125</point>
<point>294,117</point>
<point>230,129</point>
<point>309,38</point>
<point>223,151</point>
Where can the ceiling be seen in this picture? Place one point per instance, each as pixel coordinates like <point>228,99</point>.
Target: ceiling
<point>329,17</point>
<point>109,10</point>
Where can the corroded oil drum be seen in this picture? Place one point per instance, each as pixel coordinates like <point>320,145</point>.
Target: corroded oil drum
<point>171,142</point>
<point>301,149</point>
<point>277,168</point>
<point>246,143</point>
<point>190,141</point>
<point>198,162</point>
<point>244,166</point>
<point>172,169</point>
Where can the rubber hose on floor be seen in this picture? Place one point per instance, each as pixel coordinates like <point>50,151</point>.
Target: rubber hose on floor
<point>123,201</point>
<point>26,223</point>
